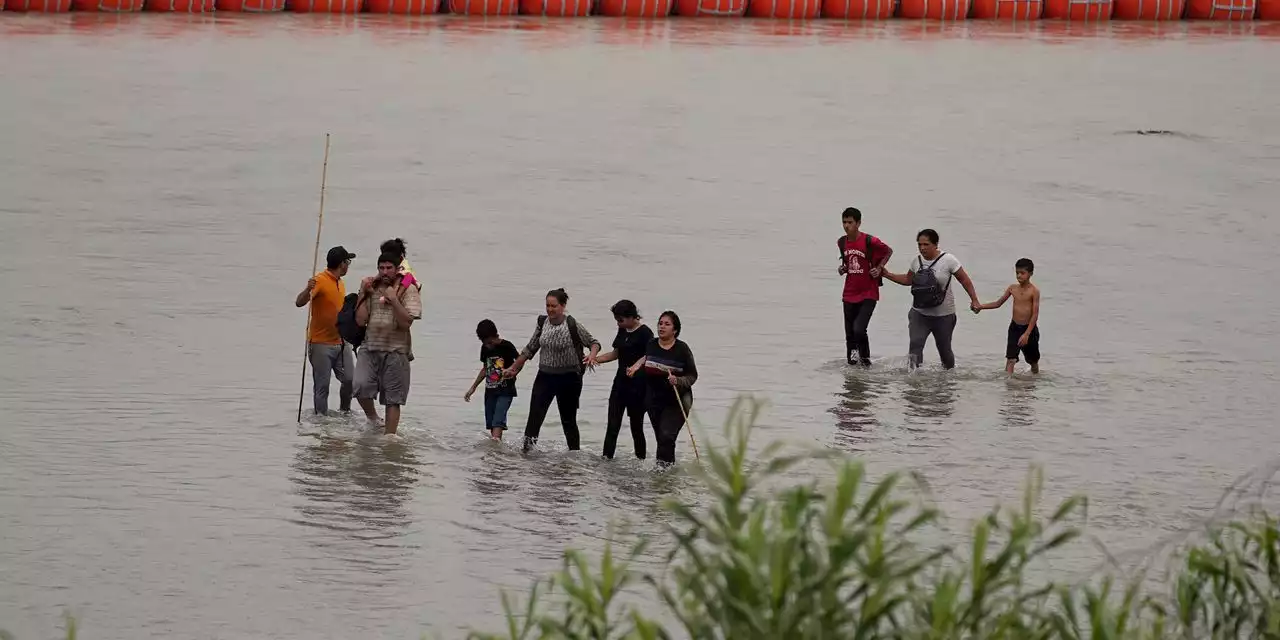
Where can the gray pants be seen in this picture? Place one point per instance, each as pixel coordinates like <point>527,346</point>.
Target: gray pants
<point>383,375</point>
<point>327,360</point>
<point>920,327</point>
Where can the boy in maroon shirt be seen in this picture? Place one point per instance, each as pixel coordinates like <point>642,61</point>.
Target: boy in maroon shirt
<point>862,258</point>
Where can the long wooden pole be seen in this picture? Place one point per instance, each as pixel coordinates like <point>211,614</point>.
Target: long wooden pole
<point>688,427</point>
<point>315,259</point>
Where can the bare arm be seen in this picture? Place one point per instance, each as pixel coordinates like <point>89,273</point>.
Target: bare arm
<point>475,385</point>
<point>304,296</point>
<point>963,277</point>
<point>903,279</point>
<point>607,357</point>
<point>998,303</point>
<point>636,367</point>
<point>1035,312</point>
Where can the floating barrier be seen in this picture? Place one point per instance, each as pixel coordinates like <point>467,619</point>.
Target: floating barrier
<point>785,9</point>
<point>715,8</point>
<point>484,7</point>
<point>324,6</point>
<point>1227,10</point>
<point>1078,10</point>
<point>181,6</point>
<point>635,8</point>
<point>403,7</point>
<point>858,9</point>
<point>107,6</point>
<point>556,8</point>
<point>934,9</point>
<point>1150,10</point>
<point>37,6</point>
<point>1008,9</point>
<point>249,6</point>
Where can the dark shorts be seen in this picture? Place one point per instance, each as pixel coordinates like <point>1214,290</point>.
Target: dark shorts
<point>383,375</point>
<point>1031,352</point>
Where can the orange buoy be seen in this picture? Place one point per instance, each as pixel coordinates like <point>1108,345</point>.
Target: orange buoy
<point>1267,9</point>
<point>1148,10</point>
<point>107,6</point>
<point>324,6</point>
<point>714,8</point>
<point>403,7</point>
<point>858,9</point>
<point>38,6</point>
<point>1083,10</point>
<point>1008,9</point>
<point>934,9</point>
<point>635,8</point>
<point>785,9</point>
<point>1228,10</point>
<point>555,8</point>
<point>249,6</point>
<point>484,7</point>
<point>181,6</point>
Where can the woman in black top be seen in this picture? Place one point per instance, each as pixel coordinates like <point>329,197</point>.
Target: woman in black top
<point>628,393</point>
<point>670,373</point>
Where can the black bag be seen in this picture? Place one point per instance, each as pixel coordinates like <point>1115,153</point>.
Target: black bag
<point>352,333</point>
<point>573,335</point>
<point>925,292</point>
<point>845,240</point>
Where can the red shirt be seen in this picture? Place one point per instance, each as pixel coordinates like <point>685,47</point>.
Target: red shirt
<point>858,283</point>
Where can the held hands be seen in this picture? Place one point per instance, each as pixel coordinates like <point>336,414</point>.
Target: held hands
<point>975,307</point>
<point>671,377</point>
<point>590,361</point>
<point>631,370</point>
<point>875,272</point>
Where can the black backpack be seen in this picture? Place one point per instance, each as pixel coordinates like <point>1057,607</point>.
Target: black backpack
<point>573,335</point>
<point>845,240</point>
<point>352,333</point>
<point>925,292</point>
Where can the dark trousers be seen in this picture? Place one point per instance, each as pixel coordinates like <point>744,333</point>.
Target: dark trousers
<point>626,398</point>
<point>668,420</point>
<point>566,389</point>
<point>920,327</point>
<point>857,316</point>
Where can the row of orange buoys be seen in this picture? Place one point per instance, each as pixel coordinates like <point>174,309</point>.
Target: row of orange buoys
<point>1075,10</point>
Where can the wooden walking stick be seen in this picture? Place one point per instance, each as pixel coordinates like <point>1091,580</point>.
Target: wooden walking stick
<point>688,425</point>
<point>315,258</point>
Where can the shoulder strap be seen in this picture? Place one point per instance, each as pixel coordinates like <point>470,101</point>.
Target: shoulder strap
<point>841,242</point>
<point>541,320</point>
<point>868,236</point>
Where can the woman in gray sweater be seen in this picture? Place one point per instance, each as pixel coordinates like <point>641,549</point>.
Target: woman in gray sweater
<point>560,369</point>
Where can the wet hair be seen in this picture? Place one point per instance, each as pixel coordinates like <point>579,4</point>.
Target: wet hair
<point>389,257</point>
<point>394,246</point>
<point>928,233</point>
<point>1025,264</point>
<point>625,309</point>
<point>486,329</point>
<point>852,212</point>
<point>675,320</point>
<point>559,295</point>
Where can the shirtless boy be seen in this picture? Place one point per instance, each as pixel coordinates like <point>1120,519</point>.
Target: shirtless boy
<point>1024,335</point>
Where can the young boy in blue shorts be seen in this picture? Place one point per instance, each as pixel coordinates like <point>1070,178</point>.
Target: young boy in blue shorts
<point>496,355</point>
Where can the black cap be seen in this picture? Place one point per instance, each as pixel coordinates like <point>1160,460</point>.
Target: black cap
<point>337,255</point>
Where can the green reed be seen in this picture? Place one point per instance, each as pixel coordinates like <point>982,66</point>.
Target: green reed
<point>845,560</point>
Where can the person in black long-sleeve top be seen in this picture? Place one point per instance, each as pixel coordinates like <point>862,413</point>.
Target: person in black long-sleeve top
<point>628,393</point>
<point>670,373</point>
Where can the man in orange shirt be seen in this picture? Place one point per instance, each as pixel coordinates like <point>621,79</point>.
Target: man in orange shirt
<point>325,349</point>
